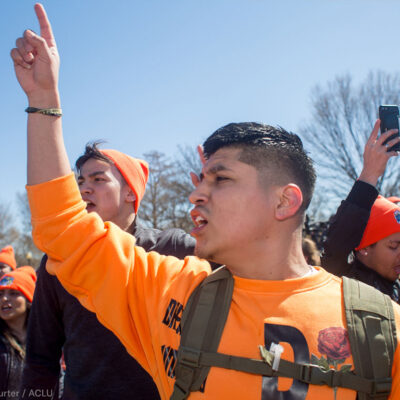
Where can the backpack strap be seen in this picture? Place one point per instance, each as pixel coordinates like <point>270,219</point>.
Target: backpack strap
<point>202,324</point>
<point>371,329</point>
<point>372,334</point>
<point>196,361</point>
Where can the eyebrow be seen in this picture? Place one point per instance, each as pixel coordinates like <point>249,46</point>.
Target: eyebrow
<point>93,174</point>
<point>214,169</point>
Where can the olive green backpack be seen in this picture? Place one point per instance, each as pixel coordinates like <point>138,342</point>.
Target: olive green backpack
<point>370,326</point>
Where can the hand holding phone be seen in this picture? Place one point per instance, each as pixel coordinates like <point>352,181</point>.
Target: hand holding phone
<point>376,155</point>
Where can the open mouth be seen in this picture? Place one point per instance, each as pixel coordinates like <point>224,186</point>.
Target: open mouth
<point>199,222</point>
<point>6,308</point>
<point>89,205</point>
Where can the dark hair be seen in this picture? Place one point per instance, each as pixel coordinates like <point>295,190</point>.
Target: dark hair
<point>91,151</point>
<point>12,341</point>
<point>279,155</point>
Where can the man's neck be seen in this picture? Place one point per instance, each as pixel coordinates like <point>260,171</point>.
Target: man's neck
<point>126,224</point>
<point>277,259</point>
<point>132,227</point>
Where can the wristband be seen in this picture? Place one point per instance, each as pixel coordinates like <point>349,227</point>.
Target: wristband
<point>53,112</point>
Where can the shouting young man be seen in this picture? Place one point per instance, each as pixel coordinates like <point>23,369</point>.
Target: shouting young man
<point>112,185</point>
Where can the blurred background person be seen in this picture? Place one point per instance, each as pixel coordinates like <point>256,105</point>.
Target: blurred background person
<point>7,260</point>
<point>16,294</point>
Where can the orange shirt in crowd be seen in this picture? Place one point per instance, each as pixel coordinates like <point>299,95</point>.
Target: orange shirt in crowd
<point>141,296</point>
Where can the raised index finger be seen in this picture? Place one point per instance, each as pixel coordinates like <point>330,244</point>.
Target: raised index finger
<point>45,28</point>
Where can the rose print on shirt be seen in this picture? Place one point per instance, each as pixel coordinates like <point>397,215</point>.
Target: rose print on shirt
<point>333,343</point>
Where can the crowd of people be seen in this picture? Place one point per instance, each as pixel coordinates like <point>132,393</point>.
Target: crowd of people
<point>119,311</point>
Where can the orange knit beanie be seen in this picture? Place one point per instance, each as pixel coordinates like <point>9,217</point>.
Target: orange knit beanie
<point>22,279</point>
<point>7,256</point>
<point>384,220</point>
<point>134,171</point>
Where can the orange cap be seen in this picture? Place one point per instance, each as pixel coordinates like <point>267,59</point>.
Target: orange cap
<point>7,257</point>
<point>134,171</point>
<point>22,279</point>
<point>383,221</point>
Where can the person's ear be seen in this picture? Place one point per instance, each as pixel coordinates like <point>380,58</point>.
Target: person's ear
<point>290,201</point>
<point>130,197</point>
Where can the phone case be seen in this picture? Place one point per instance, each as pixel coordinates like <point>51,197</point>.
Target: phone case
<point>389,116</point>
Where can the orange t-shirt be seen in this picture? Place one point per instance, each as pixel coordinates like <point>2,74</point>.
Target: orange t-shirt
<point>141,296</point>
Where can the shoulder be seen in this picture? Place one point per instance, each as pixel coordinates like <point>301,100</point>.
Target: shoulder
<point>177,235</point>
<point>175,242</point>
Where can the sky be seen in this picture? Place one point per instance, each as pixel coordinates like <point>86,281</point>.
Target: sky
<point>154,74</point>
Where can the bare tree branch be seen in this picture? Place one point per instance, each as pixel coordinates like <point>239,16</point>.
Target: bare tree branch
<point>343,117</point>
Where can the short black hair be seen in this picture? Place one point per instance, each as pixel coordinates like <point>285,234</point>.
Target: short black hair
<point>273,151</point>
<point>91,151</point>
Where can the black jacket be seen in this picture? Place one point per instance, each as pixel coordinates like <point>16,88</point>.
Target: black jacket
<point>345,234</point>
<point>98,366</point>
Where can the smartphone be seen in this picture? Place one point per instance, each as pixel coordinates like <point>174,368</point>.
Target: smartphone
<point>389,116</point>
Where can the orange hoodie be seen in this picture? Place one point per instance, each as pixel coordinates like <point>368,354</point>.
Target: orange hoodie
<point>140,296</point>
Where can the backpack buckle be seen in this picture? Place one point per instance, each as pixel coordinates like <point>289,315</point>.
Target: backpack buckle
<point>315,375</point>
<point>189,357</point>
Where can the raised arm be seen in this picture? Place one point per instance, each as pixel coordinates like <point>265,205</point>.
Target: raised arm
<point>351,218</point>
<point>36,64</point>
